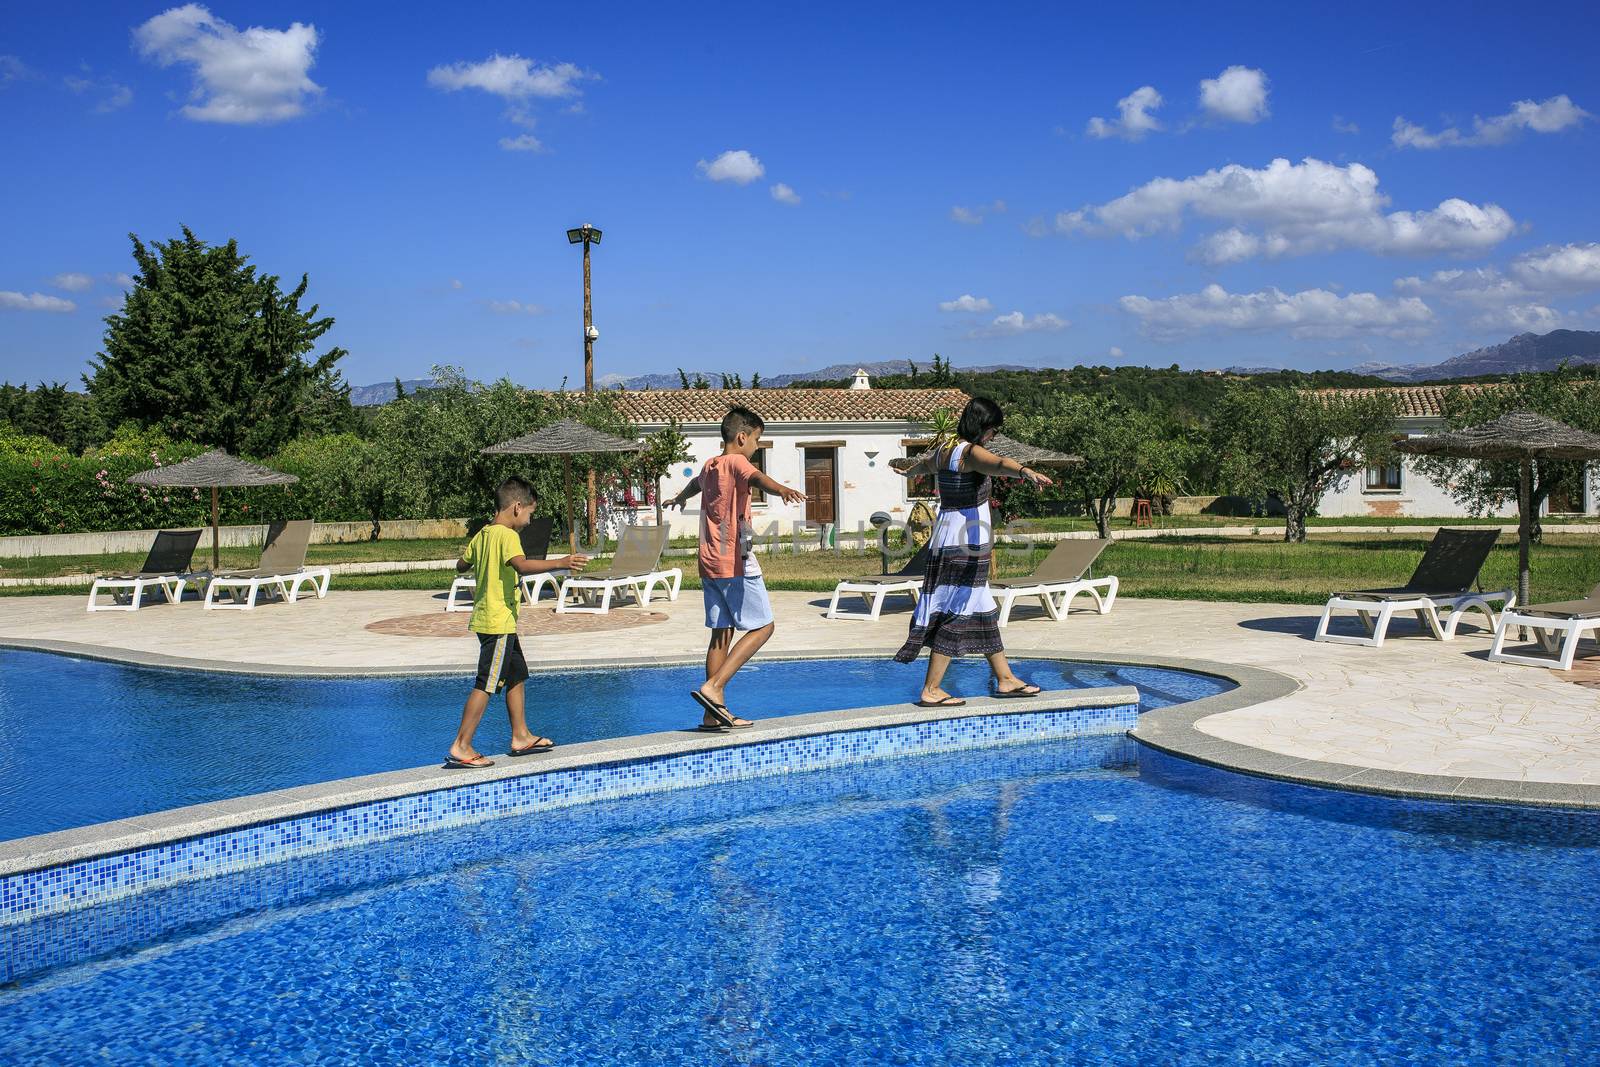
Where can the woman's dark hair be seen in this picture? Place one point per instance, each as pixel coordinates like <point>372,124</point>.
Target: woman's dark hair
<point>981,416</point>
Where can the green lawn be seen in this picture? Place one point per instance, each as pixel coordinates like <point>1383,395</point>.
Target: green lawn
<point>1079,522</point>
<point>1566,566</point>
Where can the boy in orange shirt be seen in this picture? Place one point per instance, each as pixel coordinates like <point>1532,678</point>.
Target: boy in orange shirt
<point>730,577</point>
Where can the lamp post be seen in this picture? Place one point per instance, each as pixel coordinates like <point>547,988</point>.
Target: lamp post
<point>587,235</point>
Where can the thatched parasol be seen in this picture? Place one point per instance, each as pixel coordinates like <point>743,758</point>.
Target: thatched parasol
<point>1521,436</point>
<point>566,438</point>
<point>1010,448</point>
<point>213,470</point>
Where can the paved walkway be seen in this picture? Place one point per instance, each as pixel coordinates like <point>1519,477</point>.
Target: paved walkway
<point>1415,705</point>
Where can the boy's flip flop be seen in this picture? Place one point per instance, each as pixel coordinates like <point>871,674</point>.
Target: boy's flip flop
<point>542,744</point>
<point>1028,690</point>
<point>720,712</point>
<point>947,702</point>
<point>468,764</point>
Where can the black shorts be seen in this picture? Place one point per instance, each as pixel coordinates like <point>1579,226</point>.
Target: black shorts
<point>500,663</point>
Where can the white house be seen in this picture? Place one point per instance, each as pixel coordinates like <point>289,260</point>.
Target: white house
<point>834,444</point>
<point>1400,489</point>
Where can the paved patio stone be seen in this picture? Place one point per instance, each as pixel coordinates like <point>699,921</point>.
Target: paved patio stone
<point>1415,706</point>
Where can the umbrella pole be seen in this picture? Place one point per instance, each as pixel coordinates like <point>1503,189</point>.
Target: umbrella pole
<point>1524,529</point>
<point>566,494</point>
<point>216,546</point>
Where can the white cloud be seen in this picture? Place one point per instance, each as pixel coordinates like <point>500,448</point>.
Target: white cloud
<point>734,165</point>
<point>511,77</point>
<point>1520,318</point>
<point>1341,125</point>
<point>1015,322</point>
<point>974,216</point>
<point>1114,352</point>
<point>966,302</point>
<point>513,307</point>
<point>112,96</point>
<point>1310,313</point>
<point>121,278</point>
<point>1134,119</point>
<point>1238,94</point>
<point>1310,206</point>
<point>72,281</point>
<point>525,142</point>
<point>455,283</point>
<point>785,195</point>
<point>10,301</point>
<point>1548,116</point>
<point>255,75</point>
<point>1571,268</point>
<point>13,69</point>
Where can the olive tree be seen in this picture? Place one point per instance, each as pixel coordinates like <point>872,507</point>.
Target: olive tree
<point>1298,445</point>
<point>1569,395</point>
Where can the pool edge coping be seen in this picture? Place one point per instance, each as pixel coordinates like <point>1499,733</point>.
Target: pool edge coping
<point>1175,731</point>
<point>78,844</point>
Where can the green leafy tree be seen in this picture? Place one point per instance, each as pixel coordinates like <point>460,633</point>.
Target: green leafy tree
<point>342,478</point>
<point>1568,394</point>
<point>755,379</point>
<point>206,349</point>
<point>663,450</point>
<point>1298,446</point>
<point>732,381</point>
<point>1122,449</point>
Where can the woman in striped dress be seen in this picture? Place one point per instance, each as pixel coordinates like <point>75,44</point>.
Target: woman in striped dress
<point>956,614</point>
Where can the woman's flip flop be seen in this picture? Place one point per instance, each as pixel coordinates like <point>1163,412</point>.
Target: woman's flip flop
<point>947,702</point>
<point>540,744</point>
<point>1028,690</point>
<point>720,712</point>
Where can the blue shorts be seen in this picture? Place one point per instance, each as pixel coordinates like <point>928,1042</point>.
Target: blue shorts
<point>736,603</point>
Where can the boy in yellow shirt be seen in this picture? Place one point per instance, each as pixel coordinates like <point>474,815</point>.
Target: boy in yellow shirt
<point>495,558</point>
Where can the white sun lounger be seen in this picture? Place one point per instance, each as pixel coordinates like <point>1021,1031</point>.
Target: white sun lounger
<point>535,545</point>
<point>282,571</point>
<point>1442,582</point>
<point>636,569</point>
<point>874,589</point>
<point>1557,627</point>
<point>165,568</point>
<point>1060,577</point>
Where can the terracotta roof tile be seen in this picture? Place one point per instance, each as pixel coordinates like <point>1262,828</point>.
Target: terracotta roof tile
<point>1413,401</point>
<point>647,406</point>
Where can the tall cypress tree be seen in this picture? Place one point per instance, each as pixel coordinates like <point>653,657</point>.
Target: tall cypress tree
<point>206,349</point>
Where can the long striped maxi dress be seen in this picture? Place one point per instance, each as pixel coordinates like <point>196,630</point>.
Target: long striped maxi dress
<point>956,614</point>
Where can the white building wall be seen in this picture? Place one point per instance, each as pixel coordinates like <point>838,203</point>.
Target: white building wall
<point>864,482</point>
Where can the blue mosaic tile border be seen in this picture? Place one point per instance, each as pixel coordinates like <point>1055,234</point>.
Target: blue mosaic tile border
<point>29,898</point>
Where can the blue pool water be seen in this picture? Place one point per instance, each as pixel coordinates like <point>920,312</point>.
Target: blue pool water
<point>83,741</point>
<point>1072,902</point>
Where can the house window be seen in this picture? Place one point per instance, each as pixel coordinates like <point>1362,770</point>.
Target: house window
<point>920,486</point>
<point>638,494</point>
<point>757,494</point>
<point>1384,477</point>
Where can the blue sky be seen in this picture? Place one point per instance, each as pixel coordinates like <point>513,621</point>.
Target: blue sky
<point>786,188</point>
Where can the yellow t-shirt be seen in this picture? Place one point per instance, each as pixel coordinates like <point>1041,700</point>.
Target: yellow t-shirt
<point>494,602</point>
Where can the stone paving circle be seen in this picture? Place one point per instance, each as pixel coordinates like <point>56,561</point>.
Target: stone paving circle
<point>541,623</point>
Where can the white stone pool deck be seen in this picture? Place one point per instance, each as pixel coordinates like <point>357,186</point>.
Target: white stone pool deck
<point>1414,707</point>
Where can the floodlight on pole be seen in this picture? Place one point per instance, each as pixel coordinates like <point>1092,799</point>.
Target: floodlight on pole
<point>587,235</point>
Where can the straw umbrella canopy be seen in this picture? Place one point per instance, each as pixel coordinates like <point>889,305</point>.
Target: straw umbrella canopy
<point>566,438</point>
<point>1523,437</point>
<point>1010,448</point>
<point>213,470</point>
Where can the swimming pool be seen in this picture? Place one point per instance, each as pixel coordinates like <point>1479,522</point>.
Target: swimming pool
<point>1079,901</point>
<point>84,741</point>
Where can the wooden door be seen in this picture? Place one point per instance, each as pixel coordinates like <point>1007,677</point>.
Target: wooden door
<point>819,486</point>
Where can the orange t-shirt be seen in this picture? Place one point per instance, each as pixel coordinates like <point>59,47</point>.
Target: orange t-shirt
<point>725,530</point>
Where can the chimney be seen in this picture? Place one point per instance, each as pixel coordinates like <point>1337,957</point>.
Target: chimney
<point>861,381</point>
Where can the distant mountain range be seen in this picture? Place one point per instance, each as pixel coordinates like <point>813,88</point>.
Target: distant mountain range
<point>383,392</point>
<point>363,396</point>
<point>1524,352</point>
<point>835,372</point>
